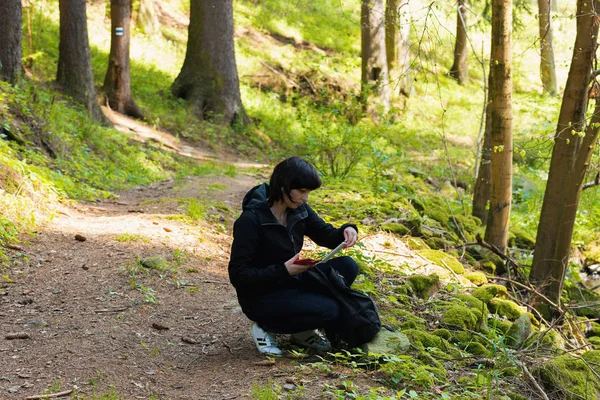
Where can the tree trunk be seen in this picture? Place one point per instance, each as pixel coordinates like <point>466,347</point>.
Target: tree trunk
<point>459,69</point>
<point>374,71</point>
<point>496,232</point>
<point>209,77</point>
<point>482,192</point>
<point>74,73</point>
<point>397,45</point>
<point>570,159</point>
<point>117,83</point>
<point>547,66</point>
<point>10,39</point>
<point>147,20</point>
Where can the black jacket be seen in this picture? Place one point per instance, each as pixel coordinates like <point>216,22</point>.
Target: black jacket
<point>261,245</point>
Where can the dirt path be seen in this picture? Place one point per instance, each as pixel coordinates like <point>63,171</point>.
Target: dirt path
<point>94,317</point>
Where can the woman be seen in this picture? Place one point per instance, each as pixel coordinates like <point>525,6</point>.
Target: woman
<point>267,239</point>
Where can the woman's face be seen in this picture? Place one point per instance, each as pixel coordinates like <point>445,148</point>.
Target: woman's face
<point>296,198</point>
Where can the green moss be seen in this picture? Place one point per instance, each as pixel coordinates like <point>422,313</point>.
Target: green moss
<point>499,325</point>
<point>487,266</point>
<point>488,292</point>
<point>595,331</point>
<point>415,243</point>
<point>521,238</point>
<point>154,262</point>
<point>410,371</point>
<point>422,340</point>
<point>437,369</point>
<point>395,228</point>
<point>364,268</point>
<point>425,286</point>
<point>505,308</point>
<point>439,243</point>
<point>443,333</point>
<point>548,340</point>
<point>477,349</point>
<point>595,342</point>
<point>477,277</point>
<point>570,378</point>
<point>459,316</point>
<point>443,260</point>
<point>467,224</point>
<point>483,254</point>
<point>580,295</point>
<point>516,396</point>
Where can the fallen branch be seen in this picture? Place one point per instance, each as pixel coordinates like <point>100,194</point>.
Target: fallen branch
<point>528,287</point>
<point>14,247</point>
<point>518,267</point>
<point>595,182</point>
<point>50,396</point>
<point>19,335</point>
<point>532,380</point>
<point>264,363</point>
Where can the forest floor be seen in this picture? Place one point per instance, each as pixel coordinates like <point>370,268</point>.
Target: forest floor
<point>97,322</point>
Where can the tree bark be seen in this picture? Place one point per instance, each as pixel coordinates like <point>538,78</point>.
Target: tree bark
<point>482,192</point>
<point>397,45</point>
<point>459,70</point>
<point>547,66</point>
<point>570,159</point>
<point>74,73</point>
<point>117,82</point>
<point>209,77</point>
<point>10,39</point>
<point>374,70</point>
<point>496,232</point>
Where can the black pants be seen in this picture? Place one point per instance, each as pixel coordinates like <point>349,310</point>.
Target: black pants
<point>300,306</point>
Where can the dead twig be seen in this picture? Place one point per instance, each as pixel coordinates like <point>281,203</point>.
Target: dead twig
<point>18,335</point>
<point>532,380</point>
<point>50,396</point>
<point>264,363</point>
<point>518,267</point>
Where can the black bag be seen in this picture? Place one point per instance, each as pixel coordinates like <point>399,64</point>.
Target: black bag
<point>359,322</point>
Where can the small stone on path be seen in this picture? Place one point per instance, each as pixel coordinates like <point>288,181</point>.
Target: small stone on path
<point>80,238</point>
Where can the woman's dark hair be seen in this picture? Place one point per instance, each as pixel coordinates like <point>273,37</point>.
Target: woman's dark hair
<point>292,173</point>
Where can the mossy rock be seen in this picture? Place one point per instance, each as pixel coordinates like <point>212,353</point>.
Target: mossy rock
<point>364,268</point>
<point>476,277</point>
<point>425,286</point>
<point>594,331</point>
<point>469,225</point>
<point>459,316</point>
<point>415,243</point>
<point>154,262</point>
<point>505,308</point>
<point>595,342</point>
<point>422,340</point>
<point>437,369</point>
<point>591,252</point>
<point>581,295</point>
<point>488,292</point>
<point>521,238</point>
<point>396,228</point>
<point>518,332</point>
<point>570,378</point>
<point>487,266</point>
<point>482,254</point>
<point>386,342</point>
<point>439,243</point>
<point>499,325</point>
<point>443,333</point>
<point>477,349</point>
<point>478,308</point>
<point>546,340</point>
<point>408,370</point>
<point>406,320</point>
<point>443,260</point>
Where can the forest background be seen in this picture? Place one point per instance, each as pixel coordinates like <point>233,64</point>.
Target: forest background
<point>407,167</point>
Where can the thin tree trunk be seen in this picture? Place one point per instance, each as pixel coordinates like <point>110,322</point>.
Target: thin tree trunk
<point>374,71</point>
<point>117,83</point>
<point>459,69</point>
<point>74,73</point>
<point>570,159</point>
<point>209,77</point>
<point>482,192</point>
<point>397,45</point>
<point>10,39</point>
<point>496,232</point>
<point>547,66</point>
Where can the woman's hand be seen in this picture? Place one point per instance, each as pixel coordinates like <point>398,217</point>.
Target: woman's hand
<point>295,269</point>
<point>350,236</point>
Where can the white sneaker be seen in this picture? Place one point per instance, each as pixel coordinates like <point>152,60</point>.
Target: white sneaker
<point>266,343</point>
<point>312,339</point>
